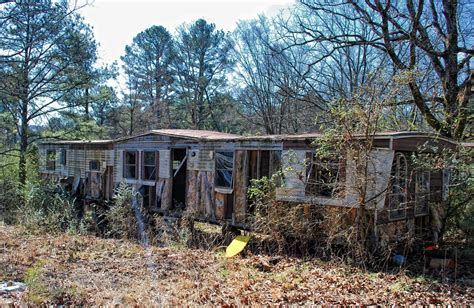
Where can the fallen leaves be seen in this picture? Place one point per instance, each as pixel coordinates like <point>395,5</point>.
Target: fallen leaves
<point>89,270</point>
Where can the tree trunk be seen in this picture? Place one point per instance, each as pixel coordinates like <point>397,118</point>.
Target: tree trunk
<point>23,143</point>
<point>86,104</point>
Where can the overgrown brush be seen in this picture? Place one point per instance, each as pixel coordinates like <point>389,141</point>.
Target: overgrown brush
<point>121,221</point>
<point>301,229</point>
<point>128,218</point>
<point>45,208</point>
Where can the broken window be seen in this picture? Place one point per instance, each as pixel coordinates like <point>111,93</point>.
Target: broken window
<point>62,157</point>
<point>51,160</point>
<point>149,165</point>
<point>94,165</point>
<point>130,165</point>
<point>224,169</point>
<point>399,187</point>
<point>323,176</point>
<point>422,192</point>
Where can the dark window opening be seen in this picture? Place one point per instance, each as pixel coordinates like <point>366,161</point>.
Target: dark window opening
<point>229,206</point>
<point>130,165</point>
<point>224,169</point>
<point>62,157</point>
<point>51,160</point>
<point>264,164</point>
<point>399,188</point>
<point>323,176</point>
<point>94,165</point>
<point>149,165</point>
<point>259,164</point>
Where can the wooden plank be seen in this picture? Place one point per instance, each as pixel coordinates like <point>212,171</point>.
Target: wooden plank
<point>191,200</point>
<point>165,164</point>
<point>253,164</point>
<point>198,197</point>
<point>207,196</point>
<point>166,197</point>
<point>193,159</point>
<point>240,185</point>
<point>220,205</point>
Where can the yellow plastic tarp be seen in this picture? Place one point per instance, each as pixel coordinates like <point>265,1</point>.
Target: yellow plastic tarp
<point>236,246</point>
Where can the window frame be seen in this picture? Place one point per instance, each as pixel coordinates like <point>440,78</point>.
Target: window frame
<point>94,161</point>
<point>217,169</point>
<point>144,165</point>
<point>314,171</point>
<point>51,163</point>
<point>398,178</point>
<point>127,165</point>
<point>63,157</point>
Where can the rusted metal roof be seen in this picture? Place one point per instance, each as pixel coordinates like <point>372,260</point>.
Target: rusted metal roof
<point>104,141</point>
<point>192,134</point>
<point>316,135</point>
<point>195,134</point>
<point>206,135</point>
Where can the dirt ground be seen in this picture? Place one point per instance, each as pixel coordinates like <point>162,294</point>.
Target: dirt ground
<point>78,269</point>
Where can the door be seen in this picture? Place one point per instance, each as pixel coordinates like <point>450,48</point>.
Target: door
<point>179,178</point>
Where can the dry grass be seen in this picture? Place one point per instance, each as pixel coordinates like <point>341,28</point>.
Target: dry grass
<point>88,270</point>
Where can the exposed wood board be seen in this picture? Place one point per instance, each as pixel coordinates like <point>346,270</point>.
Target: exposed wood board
<point>192,202</point>
<point>160,188</point>
<point>240,185</point>
<point>207,194</point>
<point>167,197</point>
<point>165,164</point>
<point>220,205</point>
<point>193,159</point>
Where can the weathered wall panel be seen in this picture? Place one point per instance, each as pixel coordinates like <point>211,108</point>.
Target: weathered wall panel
<point>240,185</point>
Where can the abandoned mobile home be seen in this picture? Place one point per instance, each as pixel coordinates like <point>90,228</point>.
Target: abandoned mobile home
<point>209,173</point>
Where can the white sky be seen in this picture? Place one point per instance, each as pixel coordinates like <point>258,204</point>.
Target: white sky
<point>115,23</point>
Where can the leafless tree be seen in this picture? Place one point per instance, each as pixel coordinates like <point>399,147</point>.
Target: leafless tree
<point>431,40</point>
<point>269,86</point>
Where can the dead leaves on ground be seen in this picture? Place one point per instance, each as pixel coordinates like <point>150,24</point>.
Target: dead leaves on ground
<point>90,270</point>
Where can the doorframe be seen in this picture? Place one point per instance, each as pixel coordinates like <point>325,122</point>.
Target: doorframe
<point>184,165</point>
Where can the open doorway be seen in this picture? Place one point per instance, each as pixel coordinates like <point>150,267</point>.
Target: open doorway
<point>179,178</point>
